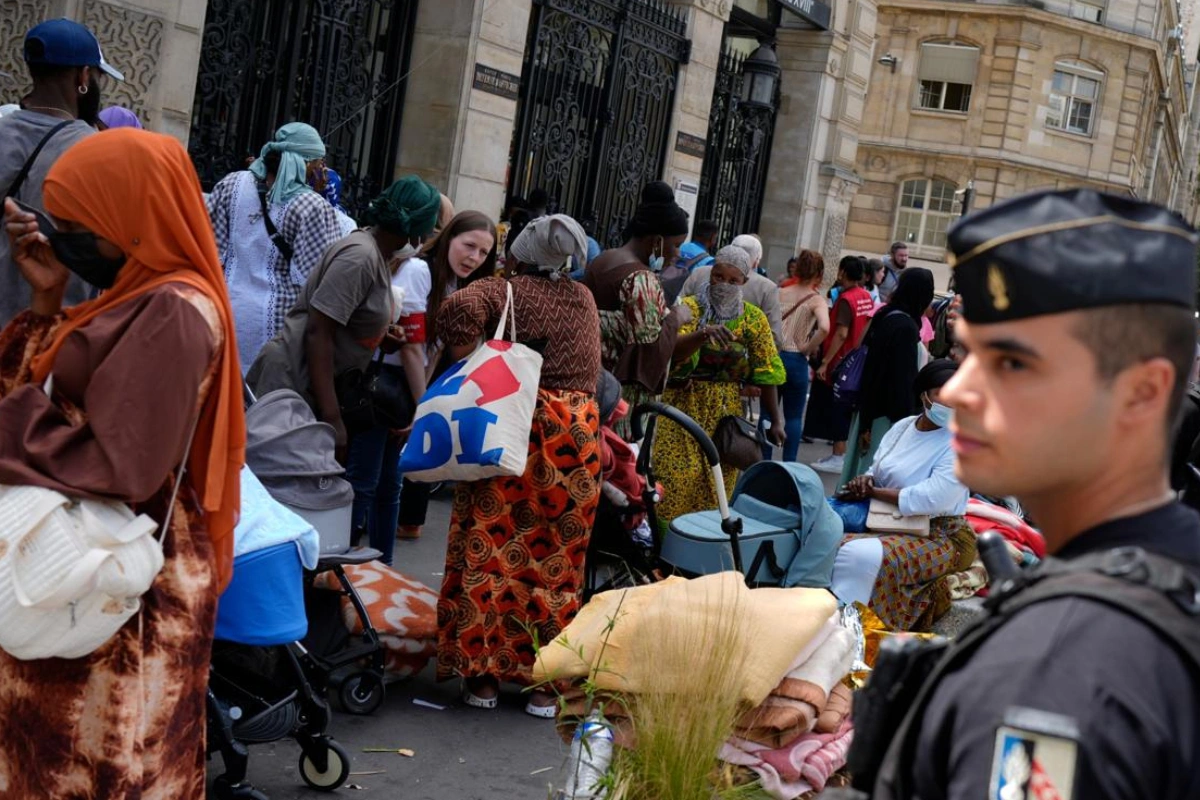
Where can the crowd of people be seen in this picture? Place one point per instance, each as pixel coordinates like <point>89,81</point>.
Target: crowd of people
<point>151,302</point>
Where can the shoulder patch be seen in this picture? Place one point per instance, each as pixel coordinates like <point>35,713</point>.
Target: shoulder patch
<point>1035,757</point>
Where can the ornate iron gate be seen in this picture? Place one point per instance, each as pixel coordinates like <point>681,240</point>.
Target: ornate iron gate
<point>597,92</point>
<point>739,148</point>
<point>267,62</point>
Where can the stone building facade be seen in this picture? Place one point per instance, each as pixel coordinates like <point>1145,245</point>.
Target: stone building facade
<point>1010,98</point>
<point>155,43</point>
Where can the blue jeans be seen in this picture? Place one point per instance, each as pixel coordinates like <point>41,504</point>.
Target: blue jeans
<point>793,396</point>
<point>853,513</point>
<point>373,469</point>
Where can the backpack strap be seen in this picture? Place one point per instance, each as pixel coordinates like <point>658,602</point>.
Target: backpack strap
<point>16,185</point>
<point>281,244</point>
<point>1158,591</point>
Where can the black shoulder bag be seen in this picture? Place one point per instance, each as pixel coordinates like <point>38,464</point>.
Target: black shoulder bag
<point>281,244</point>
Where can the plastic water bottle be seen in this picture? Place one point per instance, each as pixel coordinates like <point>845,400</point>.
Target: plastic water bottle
<point>591,753</point>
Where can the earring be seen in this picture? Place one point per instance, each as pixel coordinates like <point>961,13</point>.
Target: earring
<point>82,89</point>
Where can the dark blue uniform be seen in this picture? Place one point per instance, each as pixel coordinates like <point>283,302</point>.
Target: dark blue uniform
<point>1131,695</point>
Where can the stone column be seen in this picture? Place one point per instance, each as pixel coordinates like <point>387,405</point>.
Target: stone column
<point>811,178</point>
<point>694,90</point>
<point>155,43</point>
<point>455,135</point>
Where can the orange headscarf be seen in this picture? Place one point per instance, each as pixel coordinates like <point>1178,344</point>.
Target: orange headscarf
<point>139,191</point>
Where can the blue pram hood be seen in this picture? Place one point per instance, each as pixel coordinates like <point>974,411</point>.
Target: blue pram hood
<point>791,495</point>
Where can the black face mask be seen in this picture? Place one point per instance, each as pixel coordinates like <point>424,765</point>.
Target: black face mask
<point>78,252</point>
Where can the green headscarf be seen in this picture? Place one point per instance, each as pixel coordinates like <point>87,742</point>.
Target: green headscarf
<point>297,144</point>
<point>409,207</point>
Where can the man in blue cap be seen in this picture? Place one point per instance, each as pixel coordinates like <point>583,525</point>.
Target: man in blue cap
<point>68,71</point>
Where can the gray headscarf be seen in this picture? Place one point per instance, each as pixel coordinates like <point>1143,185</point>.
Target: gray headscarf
<point>549,243</point>
<point>723,302</point>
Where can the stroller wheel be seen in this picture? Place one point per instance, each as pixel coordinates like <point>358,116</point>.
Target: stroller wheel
<point>337,766</point>
<point>361,692</point>
<point>224,790</point>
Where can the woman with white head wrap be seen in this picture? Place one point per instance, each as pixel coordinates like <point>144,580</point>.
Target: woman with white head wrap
<point>548,245</point>
<point>727,345</point>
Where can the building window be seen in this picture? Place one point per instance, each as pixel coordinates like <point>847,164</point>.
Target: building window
<point>926,211</point>
<point>947,75</point>
<point>1090,12</point>
<point>1074,93</point>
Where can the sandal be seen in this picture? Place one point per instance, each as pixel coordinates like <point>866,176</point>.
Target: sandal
<point>408,532</point>
<point>541,712</point>
<point>475,701</point>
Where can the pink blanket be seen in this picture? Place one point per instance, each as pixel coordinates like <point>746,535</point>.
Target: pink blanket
<point>805,765</point>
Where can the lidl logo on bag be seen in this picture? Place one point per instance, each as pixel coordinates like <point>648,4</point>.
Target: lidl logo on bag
<point>431,443</point>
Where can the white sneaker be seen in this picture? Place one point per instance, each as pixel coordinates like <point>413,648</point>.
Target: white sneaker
<point>831,464</point>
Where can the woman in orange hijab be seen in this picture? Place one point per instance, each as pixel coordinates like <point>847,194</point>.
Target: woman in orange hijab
<point>133,371</point>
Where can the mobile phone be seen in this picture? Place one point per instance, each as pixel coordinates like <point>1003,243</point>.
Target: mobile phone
<point>44,223</point>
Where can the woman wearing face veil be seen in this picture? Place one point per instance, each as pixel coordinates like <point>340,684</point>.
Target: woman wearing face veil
<point>133,371</point>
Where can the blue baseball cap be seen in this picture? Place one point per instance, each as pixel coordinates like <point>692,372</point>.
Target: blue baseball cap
<point>65,43</point>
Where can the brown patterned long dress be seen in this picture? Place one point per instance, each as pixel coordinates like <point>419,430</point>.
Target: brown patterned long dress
<point>516,547</point>
<point>128,720</point>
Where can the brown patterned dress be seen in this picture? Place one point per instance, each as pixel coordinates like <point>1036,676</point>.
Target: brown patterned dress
<point>516,547</point>
<point>127,721</point>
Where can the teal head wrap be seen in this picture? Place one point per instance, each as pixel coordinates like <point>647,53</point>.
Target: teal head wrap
<point>409,207</point>
<point>297,144</point>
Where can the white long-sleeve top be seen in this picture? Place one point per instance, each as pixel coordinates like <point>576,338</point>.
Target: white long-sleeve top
<point>921,465</point>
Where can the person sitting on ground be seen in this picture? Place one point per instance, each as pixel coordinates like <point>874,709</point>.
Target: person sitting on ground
<point>759,290</point>
<point>828,419</point>
<point>901,576</point>
<point>726,345</point>
<point>267,267</point>
<point>637,328</point>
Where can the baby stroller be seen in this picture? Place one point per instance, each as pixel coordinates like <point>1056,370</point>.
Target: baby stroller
<point>621,550</point>
<point>291,452</point>
<point>263,686</point>
<point>783,534</point>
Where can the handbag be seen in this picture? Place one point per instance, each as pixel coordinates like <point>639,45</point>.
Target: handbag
<point>473,422</point>
<point>739,442</point>
<point>72,572</point>
<point>375,397</point>
<point>886,518</point>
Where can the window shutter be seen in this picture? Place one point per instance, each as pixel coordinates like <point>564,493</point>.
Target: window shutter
<point>949,63</point>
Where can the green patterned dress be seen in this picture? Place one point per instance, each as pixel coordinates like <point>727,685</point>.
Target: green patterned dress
<point>707,387</point>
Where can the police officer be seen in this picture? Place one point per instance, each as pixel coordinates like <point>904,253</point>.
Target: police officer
<point>1077,315</point>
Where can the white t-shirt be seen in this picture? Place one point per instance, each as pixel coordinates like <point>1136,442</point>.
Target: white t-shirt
<point>414,278</point>
<point>920,464</point>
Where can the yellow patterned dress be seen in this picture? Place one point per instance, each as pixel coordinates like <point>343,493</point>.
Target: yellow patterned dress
<point>707,387</point>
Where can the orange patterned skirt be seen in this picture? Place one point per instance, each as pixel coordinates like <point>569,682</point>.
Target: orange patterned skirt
<point>515,554</point>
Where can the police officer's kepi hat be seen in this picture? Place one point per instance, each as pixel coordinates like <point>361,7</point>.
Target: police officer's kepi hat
<point>1050,252</point>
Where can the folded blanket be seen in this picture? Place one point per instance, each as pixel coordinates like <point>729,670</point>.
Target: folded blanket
<point>687,613</point>
<point>836,710</point>
<point>265,522</point>
<point>402,609</point>
<point>805,765</point>
<point>795,705</point>
<point>987,517</point>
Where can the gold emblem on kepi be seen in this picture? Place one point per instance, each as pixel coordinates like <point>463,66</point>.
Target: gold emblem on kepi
<point>998,288</point>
